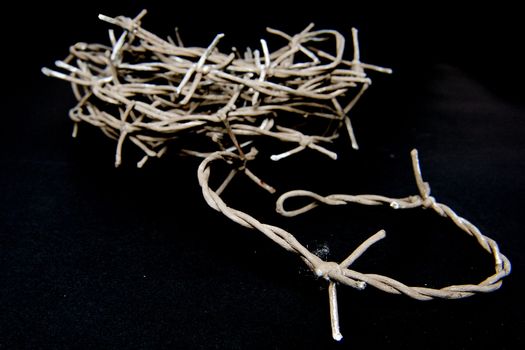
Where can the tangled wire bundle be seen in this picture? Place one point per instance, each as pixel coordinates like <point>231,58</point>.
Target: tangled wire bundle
<point>152,91</point>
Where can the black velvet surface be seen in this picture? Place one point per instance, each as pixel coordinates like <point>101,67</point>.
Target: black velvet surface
<point>101,258</point>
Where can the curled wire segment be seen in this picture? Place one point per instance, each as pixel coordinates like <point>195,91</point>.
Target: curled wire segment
<point>340,272</point>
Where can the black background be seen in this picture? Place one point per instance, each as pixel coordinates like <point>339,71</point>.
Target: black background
<point>97,257</point>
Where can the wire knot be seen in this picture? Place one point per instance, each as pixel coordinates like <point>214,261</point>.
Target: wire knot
<point>305,140</point>
<point>204,69</point>
<point>329,270</point>
<point>296,41</point>
<point>222,115</point>
<point>428,202</point>
<point>245,158</point>
<point>125,128</point>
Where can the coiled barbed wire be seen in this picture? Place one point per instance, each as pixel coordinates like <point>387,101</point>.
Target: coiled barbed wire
<point>152,91</point>
<point>149,90</point>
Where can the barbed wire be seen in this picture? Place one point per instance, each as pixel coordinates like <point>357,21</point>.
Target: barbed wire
<point>340,272</point>
<point>150,91</point>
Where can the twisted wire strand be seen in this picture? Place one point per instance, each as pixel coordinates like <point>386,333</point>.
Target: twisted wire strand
<point>335,272</point>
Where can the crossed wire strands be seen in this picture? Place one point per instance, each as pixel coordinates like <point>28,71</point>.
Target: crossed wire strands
<point>341,273</point>
<point>149,90</point>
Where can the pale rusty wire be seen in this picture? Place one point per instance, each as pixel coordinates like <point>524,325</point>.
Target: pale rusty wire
<point>150,91</point>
